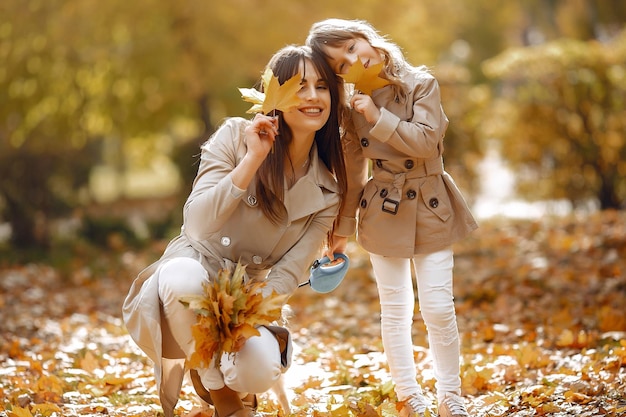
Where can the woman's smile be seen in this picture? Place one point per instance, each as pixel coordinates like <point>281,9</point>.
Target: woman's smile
<point>311,111</point>
<point>315,105</point>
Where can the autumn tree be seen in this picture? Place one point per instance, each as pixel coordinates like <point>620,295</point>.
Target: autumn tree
<point>121,87</point>
<point>117,85</point>
<point>561,119</point>
<point>79,80</point>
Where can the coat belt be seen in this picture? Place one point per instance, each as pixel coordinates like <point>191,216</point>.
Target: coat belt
<point>422,168</point>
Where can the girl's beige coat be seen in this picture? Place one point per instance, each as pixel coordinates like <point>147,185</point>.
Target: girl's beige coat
<point>410,205</point>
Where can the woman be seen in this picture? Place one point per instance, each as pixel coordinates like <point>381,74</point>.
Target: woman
<point>409,211</point>
<point>266,194</point>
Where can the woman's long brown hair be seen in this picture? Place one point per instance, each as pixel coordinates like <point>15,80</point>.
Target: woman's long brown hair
<point>270,176</point>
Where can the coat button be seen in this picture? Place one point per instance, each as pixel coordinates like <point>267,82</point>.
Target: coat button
<point>379,163</point>
<point>411,194</point>
<point>363,203</point>
<point>225,241</point>
<point>252,200</point>
<point>409,164</point>
<point>365,142</point>
<point>434,203</point>
<point>383,193</point>
<point>257,259</point>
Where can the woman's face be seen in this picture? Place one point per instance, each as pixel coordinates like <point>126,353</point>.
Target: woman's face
<point>314,109</point>
<point>342,57</point>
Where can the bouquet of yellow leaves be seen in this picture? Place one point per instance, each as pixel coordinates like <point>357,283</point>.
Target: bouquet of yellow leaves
<point>228,314</point>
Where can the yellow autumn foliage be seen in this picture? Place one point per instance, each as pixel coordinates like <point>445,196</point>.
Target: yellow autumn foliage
<point>364,79</point>
<point>275,96</point>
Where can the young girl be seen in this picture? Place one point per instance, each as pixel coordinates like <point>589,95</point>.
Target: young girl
<point>410,210</point>
<point>267,193</point>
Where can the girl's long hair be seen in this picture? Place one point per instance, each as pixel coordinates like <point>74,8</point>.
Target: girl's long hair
<point>335,32</point>
<point>270,176</point>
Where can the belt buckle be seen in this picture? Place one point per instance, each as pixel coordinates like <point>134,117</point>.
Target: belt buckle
<point>390,206</point>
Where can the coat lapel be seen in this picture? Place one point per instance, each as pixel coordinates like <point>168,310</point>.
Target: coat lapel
<point>308,195</point>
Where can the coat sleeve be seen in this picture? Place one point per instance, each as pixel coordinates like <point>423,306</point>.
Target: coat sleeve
<point>357,172</point>
<point>421,136</point>
<point>214,197</point>
<point>293,267</point>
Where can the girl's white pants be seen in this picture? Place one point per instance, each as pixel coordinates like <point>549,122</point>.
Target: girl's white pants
<point>436,303</point>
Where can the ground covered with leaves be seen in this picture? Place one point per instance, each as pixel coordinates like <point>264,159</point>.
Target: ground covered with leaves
<point>541,309</point>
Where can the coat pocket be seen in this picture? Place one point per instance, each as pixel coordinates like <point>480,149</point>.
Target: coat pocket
<point>436,198</point>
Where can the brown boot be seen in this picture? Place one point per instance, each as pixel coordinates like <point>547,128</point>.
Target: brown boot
<point>199,388</point>
<point>244,412</point>
<point>227,402</point>
<point>250,402</point>
<point>199,412</point>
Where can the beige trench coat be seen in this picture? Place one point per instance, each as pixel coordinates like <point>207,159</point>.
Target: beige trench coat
<point>409,205</point>
<point>223,225</point>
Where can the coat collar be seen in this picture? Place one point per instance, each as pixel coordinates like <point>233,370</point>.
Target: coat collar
<point>307,196</point>
<point>310,194</point>
<point>320,175</point>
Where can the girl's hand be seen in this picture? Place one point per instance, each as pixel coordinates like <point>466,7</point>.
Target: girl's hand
<point>338,245</point>
<point>362,103</point>
<point>260,135</point>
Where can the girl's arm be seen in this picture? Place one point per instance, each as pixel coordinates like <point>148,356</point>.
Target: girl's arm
<point>357,172</point>
<point>421,136</point>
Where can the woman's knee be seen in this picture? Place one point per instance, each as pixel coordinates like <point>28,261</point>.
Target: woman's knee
<point>255,368</point>
<point>180,276</point>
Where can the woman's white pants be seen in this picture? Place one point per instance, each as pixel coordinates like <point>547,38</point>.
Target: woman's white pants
<point>254,369</point>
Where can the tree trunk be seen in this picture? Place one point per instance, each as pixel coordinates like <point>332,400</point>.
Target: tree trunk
<point>607,195</point>
<point>29,229</point>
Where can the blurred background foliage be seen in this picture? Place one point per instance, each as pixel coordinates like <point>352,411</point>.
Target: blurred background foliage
<point>103,105</point>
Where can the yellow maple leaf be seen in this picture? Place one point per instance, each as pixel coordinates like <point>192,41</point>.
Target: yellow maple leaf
<point>364,79</point>
<point>20,412</point>
<point>228,314</point>
<point>46,409</point>
<point>89,363</point>
<point>275,97</point>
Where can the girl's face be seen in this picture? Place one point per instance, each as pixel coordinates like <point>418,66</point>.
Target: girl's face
<point>313,112</point>
<point>342,57</point>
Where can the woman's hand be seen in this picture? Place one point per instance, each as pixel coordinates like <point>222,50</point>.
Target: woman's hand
<point>260,136</point>
<point>362,103</point>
